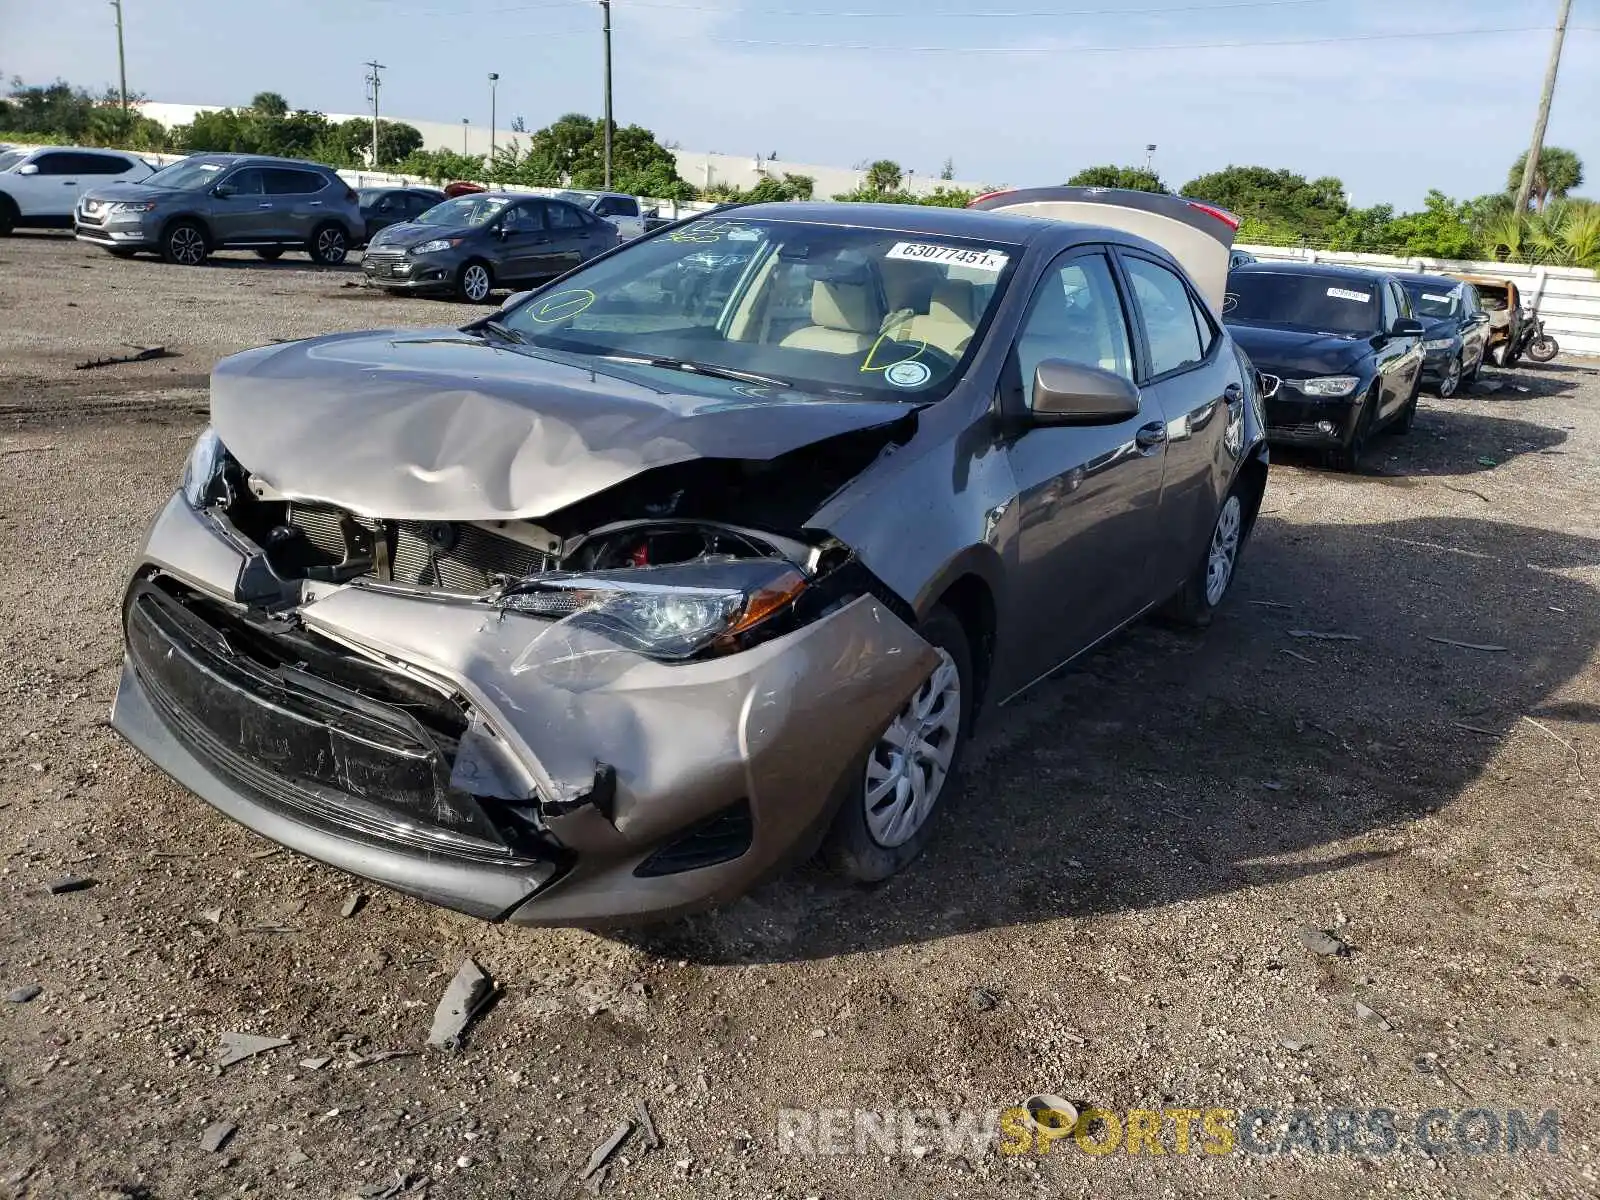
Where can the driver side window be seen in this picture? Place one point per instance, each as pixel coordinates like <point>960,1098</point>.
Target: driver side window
<point>1076,315</point>
<point>521,218</point>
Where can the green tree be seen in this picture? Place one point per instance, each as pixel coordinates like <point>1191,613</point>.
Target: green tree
<point>884,176</point>
<point>269,105</point>
<point>1136,179</point>
<point>1559,172</point>
<point>1274,202</point>
<point>1441,230</point>
<point>441,166</point>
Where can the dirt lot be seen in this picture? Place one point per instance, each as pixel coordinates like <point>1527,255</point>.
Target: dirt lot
<point>1110,913</point>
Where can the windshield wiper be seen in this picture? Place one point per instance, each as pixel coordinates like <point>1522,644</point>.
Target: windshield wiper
<point>695,368</point>
<point>498,327</point>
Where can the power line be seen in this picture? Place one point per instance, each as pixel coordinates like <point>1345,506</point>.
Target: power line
<point>937,14</point>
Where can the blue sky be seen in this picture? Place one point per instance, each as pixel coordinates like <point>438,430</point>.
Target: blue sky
<point>1015,91</point>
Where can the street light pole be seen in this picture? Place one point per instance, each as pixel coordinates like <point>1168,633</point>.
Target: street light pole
<point>463,137</point>
<point>122,66</point>
<point>494,79</point>
<point>605,6</point>
<point>1529,168</point>
<point>375,82</point>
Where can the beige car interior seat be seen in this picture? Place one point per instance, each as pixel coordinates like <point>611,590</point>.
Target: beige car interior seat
<point>844,319</point>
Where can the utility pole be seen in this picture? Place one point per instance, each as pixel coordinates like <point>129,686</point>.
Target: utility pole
<point>1525,190</point>
<point>494,79</point>
<point>605,5</point>
<point>122,65</point>
<point>1149,156</point>
<point>374,84</point>
<point>464,124</point>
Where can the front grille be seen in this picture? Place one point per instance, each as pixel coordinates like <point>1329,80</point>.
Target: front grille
<point>453,555</point>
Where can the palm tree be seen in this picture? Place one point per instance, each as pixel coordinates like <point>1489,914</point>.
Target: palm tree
<point>884,176</point>
<point>1559,171</point>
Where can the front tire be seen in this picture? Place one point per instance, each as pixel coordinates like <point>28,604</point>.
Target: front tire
<point>8,215</point>
<point>474,282</point>
<point>1543,349</point>
<point>1347,458</point>
<point>886,817</point>
<point>184,244</point>
<point>329,245</point>
<point>1408,415</point>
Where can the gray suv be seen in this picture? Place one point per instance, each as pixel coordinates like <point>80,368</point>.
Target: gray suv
<point>222,202</point>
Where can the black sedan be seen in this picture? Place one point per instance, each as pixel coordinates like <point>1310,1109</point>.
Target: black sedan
<point>1342,343</point>
<point>383,207</point>
<point>471,245</point>
<point>1456,330</point>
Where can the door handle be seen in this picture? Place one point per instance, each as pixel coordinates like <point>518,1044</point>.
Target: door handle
<point>316,204</point>
<point>69,183</point>
<point>1150,436</point>
<point>263,206</point>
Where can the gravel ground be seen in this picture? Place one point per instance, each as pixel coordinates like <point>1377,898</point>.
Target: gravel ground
<point>1110,913</point>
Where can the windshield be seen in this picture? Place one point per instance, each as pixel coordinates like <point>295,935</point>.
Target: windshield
<point>187,175</point>
<point>476,209</point>
<point>849,313</point>
<point>1323,303</point>
<point>1433,299</point>
<point>11,158</point>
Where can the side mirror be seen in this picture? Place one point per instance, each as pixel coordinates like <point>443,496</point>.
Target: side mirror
<point>28,169</point>
<point>1069,393</point>
<point>223,190</point>
<point>1406,327</point>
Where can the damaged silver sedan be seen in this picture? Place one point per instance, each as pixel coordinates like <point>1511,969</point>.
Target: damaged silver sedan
<point>699,559</point>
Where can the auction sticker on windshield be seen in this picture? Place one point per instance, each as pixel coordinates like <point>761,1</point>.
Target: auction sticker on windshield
<point>978,260</point>
<point>1347,294</point>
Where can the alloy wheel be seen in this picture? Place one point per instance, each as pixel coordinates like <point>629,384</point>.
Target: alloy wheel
<point>1451,380</point>
<point>475,283</point>
<point>188,247</point>
<point>908,767</point>
<point>330,246</point>
<point>1224,550</point>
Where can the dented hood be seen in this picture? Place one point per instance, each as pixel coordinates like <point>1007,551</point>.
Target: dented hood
<point>439,425</point>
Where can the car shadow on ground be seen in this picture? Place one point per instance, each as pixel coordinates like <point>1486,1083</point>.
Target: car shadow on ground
<point>1170,767</point>
<point>1443,442</point>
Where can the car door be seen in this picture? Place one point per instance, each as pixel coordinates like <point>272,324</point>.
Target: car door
<point>52,189</point>
<point>1399,357</point>
<point>298,204</point>
<point>242,213</point>
<point>1475,326</point>
<point>1198,390</point>
<point>521,246</point>
<point>1087,496</point>
<point>572,238</point>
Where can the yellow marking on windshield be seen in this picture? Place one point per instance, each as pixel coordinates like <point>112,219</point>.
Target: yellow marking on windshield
<point>563,306</point>
<point>867,363</point>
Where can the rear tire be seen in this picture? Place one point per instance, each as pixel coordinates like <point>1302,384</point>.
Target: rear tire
<point>8,215</point>
<point>1197,601</point>
<point>184,244</point>
<point>329,245</point>
<point>1543,349</point>
<point>890,805</point>
<point>1450,384</point>
<point>474,281</point>
<point>270,254</point>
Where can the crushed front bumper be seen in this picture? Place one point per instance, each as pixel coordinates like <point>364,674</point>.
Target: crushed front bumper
<point>1295,419</point>
<point>746,752</point>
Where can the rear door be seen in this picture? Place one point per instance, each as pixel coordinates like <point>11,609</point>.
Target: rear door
<point>1088,496</point>
<point>298,203</point>
<point>572,236</point>
<point>1188,370</point>
<point>1475,326</point>
<point>244,215</point>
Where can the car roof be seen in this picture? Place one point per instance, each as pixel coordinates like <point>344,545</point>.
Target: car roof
<point>1418,277</point>
<point>235,160</point>
<point>1320,270</point>
<point>927,220</point>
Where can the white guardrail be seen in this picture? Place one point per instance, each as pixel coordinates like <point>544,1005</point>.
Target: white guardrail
<point>1568,298</point>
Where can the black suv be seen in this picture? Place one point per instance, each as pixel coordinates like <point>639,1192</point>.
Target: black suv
<point>212,202</point>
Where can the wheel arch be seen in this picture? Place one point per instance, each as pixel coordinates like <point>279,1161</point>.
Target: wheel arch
<point>191,218</point>
<point>968,587</point>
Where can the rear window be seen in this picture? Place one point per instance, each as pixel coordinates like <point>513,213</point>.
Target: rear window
<point>1320,303</point>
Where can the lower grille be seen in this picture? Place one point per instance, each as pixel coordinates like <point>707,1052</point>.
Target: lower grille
<point>719,839</point>
<point>1306,430</point>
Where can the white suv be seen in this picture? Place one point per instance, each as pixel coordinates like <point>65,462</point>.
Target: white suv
<point>40,188</point>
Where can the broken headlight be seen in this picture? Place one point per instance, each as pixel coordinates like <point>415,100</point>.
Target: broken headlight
<point>203,482</point>
<point>669,612</point>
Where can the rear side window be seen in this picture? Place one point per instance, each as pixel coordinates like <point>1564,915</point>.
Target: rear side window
<point>563,216</point>
<point>1077,316</point>
<point>286,181</point>
<point>616,206</point>
<point>1170,320</point>
<point>99,164</point>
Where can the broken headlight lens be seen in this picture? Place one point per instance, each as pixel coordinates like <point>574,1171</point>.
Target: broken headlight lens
<point>203,473</point>
<point>669,612</point>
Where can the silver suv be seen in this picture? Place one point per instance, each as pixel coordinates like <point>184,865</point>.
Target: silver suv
<point>222,202</point>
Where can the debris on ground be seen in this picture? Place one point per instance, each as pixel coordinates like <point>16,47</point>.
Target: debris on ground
<point>603,1152</point>
<point>296,1158</point>
<point>1488,649</point>
<point>466,996</point>
<point>401,1185</point>
<point>214,915</point>
<point>141,354</point>
<point>1050,1112</point>
<point>1299,657</point>
<point>983,1000</point>
<point>22,995</point>
<point>1320,941</point>
<point>269,852</point>
<point>352,904</point>
<point>1474,729</point>
<point>1366,1014</point>
<point>317,1063</point>
<point>72,883</point>
<point>1314,635</point>
<point>1293,1046</point>
<point>236,1047</point>
<point>647,1125</point>
<point>217,1135</point>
